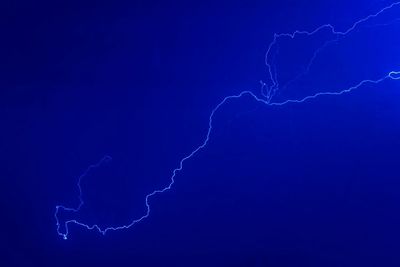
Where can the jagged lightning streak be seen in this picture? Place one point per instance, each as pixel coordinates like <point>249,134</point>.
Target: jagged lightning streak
<point>267,93</point>
<point>105,159</point>
<point>271,90</point>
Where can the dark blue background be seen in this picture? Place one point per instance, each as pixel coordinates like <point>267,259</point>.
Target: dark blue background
<point>301,185</point>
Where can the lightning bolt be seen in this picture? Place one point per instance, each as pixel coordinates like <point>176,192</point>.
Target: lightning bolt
<point>267,94</point>
<point>105,159</point>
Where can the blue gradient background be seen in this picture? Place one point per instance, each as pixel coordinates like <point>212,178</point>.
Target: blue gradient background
<point>314,184</point>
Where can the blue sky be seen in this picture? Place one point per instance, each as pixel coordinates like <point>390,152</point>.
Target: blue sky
<point>302,184</point>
